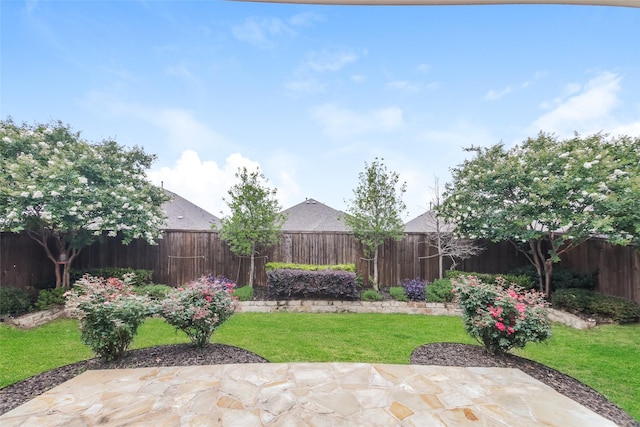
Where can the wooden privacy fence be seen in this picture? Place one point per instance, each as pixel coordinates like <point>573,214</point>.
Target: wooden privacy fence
<point>184,255</point>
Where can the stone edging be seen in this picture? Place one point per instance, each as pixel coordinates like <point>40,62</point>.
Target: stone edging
<point>322,306</point>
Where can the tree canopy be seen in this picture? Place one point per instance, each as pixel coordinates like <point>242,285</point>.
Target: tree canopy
<point>548,195</point>
<point>375,213</point>
<point>65,192</point>
<point>255,220</point>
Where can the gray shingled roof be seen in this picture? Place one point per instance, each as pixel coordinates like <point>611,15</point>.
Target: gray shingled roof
<point>312,215</point>
<point>426,223</point>
<point>184,215</point>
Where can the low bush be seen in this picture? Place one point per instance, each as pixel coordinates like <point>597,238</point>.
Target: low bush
<point>326,284</point>
<point>200,307</point>
<point>415,289</point>
<point>592,303</point>
<point>13,301</point>
<point>398,293</point>
<point>133,277</point>
<point>270,266</point>
<point>244,293</point>
<point>50,298</point>
<point>109,313</point>
<point>521,280</point>
<point>562,278</point>
<point>371,295</point>
<point>440,291</point>
<point>499,316</point>
<point>154,292</point>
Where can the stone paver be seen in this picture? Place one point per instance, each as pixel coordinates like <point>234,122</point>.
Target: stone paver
<point>303,394</point>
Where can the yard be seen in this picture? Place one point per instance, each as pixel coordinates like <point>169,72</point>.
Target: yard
<point>607,358</point>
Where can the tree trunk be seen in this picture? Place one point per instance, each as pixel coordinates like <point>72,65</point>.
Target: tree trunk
<point>548,272</point>
<point>440,256</point>
<point>252,268</point>
<point>375,270</point>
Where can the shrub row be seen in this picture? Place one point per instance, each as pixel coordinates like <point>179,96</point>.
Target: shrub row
<point>590,302</point>
<point>523,280</point>
<point>110,312</point>
<point>134,277</point>
<point>287,284</point>
<point>562,278</point>
<point>270,266</point>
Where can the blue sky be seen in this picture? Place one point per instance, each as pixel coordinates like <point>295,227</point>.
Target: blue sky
<point>310,93</point>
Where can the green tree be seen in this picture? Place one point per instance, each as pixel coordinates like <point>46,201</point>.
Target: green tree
<point>375,214</point>
<point>547,195</point>
<point>65,193</point>
<point>255,221</point>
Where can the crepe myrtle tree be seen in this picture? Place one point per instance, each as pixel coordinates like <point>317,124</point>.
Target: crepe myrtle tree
<point>548,195</point>
<point>255,221</point>
<point>65,193</point>
<point>375,213</point>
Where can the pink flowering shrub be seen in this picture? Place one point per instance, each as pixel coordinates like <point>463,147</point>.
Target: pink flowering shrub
<point>109,314</point>
<point>200,307</point>
<point>501,316</point>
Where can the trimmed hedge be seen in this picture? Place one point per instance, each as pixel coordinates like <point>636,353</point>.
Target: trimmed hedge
<point>270,266</point>
<point>329,284</point>
<point>575,300</point>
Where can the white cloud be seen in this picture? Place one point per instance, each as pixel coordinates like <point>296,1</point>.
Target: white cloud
<point>581,109</point>
<point>203,183</point>
<point>262,32</point>
<point>340,122</point>
<point>358,78</point>
<point>493,95</point>
<point>327,60</point>
<point>408,86</point>
<point>177,127</point>
<point>306,80</point>
<point>424,68</point>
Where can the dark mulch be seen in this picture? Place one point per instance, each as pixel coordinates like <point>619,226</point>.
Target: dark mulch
<point>443,354</point>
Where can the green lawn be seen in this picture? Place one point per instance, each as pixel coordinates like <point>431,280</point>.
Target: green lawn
<point>606,358</point>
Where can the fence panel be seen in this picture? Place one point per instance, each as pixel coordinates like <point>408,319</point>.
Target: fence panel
<point>184,255</point>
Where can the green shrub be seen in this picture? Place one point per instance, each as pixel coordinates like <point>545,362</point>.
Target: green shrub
<point>592,303</point>
<point>522,280</point>
<point>562,278</point>
<point>136,277</point>
<point>440,291</point>
<point>371,295</point>
<point>13,301</point>
<point>245,293</point>
<point>398,293</point>
<point>154,292</point>
<point>270,266</point>
<point>50,298</point>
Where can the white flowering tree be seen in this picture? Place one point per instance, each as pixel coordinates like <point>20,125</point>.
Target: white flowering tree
<point>65,193</point>
<point>548,195</point>
<point>375,214</point>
